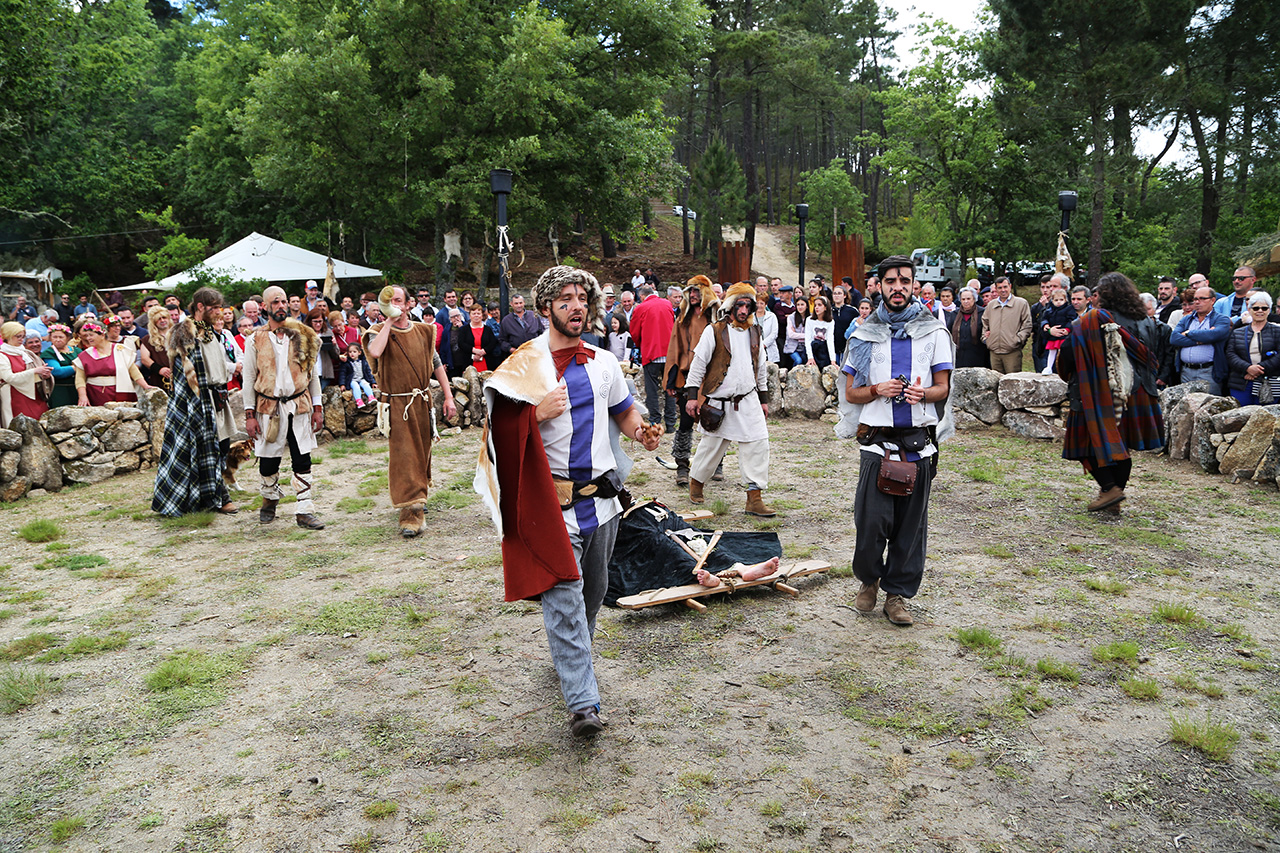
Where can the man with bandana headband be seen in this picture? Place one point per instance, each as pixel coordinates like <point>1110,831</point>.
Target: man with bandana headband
<point>729,374</point>
<point>552,473</point>
<point>282,405</point>
<point>898,420</point>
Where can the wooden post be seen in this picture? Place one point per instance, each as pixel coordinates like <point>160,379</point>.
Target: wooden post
<point>734,261</point>
<point>848,259</point>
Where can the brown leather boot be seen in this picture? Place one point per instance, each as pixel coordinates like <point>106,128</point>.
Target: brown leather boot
<point>1110,497</point>
<point>412,521</point>
<point>695,492</point>
<point>756,506</point>
<point>866,600</point>
<point>895,610</point>
<point>267,513</point>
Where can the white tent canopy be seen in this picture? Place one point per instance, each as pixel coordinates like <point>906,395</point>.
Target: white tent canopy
<point>258,256</point>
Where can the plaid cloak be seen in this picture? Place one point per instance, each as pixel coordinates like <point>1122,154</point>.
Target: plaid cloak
<point>189,474</point>
<point>1095,436</point>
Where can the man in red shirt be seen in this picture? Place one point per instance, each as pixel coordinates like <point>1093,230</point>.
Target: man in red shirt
<point>651,325</point>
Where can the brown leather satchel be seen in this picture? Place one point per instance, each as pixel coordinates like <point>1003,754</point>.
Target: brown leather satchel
<point>897,477</point>
<point>710,416</point>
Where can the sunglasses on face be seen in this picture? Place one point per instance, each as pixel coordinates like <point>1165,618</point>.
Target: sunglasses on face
<point>1241,277</point>
<point>1259,308</point>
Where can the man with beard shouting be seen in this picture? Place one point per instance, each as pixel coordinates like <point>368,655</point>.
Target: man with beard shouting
<point>552,473</point>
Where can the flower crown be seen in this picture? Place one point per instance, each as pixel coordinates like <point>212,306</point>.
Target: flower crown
<point>92,327</point>
<point>59,327</point>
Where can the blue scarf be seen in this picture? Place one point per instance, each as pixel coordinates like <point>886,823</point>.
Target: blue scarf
<point>911,322</point>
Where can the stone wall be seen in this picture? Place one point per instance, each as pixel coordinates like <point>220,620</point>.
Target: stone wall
<point>88,445</point>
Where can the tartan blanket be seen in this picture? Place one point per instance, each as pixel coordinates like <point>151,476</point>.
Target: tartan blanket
<point>189,473</point>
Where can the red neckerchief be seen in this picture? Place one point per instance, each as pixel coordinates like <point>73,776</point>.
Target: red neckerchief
<point>562,357</point>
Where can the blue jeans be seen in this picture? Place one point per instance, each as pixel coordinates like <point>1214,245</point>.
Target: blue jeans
<point>569,615</point>
<point>1191,374</point>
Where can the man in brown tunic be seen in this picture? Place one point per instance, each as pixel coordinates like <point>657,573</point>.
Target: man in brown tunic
<point>403,356</point>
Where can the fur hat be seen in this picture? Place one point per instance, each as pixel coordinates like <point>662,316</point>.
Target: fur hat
<point>551,282</point>
<point>710,304</point>
<point>741,290</point>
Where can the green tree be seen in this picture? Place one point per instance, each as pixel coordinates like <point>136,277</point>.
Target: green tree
<point>178,252</point>
<point>719,193</point>
<point>832,198</point>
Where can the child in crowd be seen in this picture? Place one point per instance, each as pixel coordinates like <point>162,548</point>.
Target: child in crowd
<point>357,375</point>
<point>1059,314</point>
<point>619,338</point>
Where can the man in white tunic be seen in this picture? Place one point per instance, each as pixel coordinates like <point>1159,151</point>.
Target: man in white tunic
<point>729,373</point>
<point>281,377</point>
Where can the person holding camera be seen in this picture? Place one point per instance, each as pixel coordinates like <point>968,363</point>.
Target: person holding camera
<point>897,370</point>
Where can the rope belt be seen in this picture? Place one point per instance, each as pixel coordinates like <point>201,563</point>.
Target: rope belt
<point>423,394</point>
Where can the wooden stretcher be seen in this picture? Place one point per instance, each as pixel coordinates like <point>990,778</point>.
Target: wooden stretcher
<point>689,593</point>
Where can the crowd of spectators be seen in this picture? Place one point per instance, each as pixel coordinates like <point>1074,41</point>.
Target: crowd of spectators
<point>76,352</point>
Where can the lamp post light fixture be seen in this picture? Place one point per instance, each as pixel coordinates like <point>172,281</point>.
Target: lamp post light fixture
<point>802,213</point>
<point>500,186</point>
<point>1067,201</point>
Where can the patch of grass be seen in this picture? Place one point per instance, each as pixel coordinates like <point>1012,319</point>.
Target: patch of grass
<point>74,562</point>
<point>381,809</point>
<point>960,760</point>
<point>771,808</point>
<point>1177,614</point>
<point>87,644</point>
<point>999,551</point>
<point>696,779</point>
<point>360,614</point>
<point>638,478</point>
<point>1122,652</point>
<point>1142,689</point>
<point>719,506</point>
<point>347,447</point>
<point>979,640</point>
<point>356,504</point>
<point>6,613</point>
<point>65,827</point>
<point>457,495</point>
<point>570,819</point>
<point>154,587</point>
<point>190,521</point>
<point>787,503</point>
<point>20,688</point>
<point>1107,585</point>
<point>374,483</point>
<point>1187,681</point>
<point>984,470</point>
<point>40,530</point>
<point>55,547</point>
<point>28,597</point>
<point>1058,670</point>
<point>320,559</point>
<point>25,647</point>
<point>1216,740</point>
<point>151,821</point>
<point>189,680</point>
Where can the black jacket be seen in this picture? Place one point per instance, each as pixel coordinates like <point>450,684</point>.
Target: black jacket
<point>1238,360</point>
<point>462,340</point>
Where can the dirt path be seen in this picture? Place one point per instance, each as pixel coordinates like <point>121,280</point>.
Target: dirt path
<point>774,254</point>
<point>233,687</point>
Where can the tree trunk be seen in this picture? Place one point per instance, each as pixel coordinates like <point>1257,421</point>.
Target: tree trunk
<point>608,248</point>
<point>684,220</point>
<point>1099,192</point>
<point>646,217</point>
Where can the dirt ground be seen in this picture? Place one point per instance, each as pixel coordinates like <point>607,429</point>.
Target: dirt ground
<point>174,687</point>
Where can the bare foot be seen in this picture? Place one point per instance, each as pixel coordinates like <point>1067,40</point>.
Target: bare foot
<point>705,578</point>
<point>759,570</point>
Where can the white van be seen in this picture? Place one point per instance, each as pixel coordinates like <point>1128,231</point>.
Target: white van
<point>936,267</point>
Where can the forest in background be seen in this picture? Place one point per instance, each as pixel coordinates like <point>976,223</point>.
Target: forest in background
<point>367,128</point>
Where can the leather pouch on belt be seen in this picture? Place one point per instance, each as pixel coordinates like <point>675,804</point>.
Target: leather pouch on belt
<point>897,478</point>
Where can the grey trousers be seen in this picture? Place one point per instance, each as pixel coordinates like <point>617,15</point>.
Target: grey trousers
<point>569,614</point>
<point>892,531</point>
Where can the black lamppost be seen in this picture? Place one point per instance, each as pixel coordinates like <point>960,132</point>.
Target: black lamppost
<point>768,219</point>
<point>1066,203</point>
<point>500,186</point>
<point>802,213</point>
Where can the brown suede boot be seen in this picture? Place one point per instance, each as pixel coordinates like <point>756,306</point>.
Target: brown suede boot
<point>756,506</point>
<point>267,513</point>
<point>695,492</point>
<point>1110,497</point>
<point>895,610</point>
<point>866,600</point>
<point>412,521</point>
